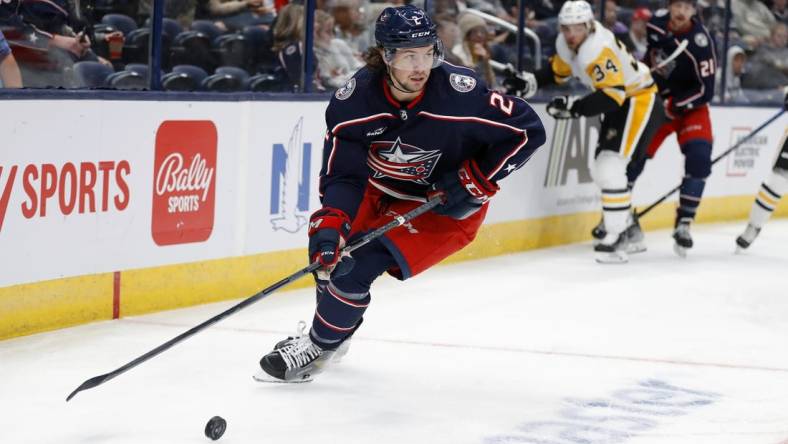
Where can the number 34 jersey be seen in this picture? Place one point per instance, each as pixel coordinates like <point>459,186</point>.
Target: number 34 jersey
<point>603,63</point>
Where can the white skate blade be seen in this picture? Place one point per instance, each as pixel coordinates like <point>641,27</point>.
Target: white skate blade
<point>680,251</point>
<point>616,257</point>
<point>740,250</point>
<point>265,378</point>
<point>636,247</point>
<point>341,351</point>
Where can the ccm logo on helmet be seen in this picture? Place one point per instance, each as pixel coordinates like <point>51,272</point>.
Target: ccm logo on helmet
<point>419,34</point>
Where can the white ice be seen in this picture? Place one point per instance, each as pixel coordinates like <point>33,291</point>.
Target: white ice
<point>540,347</point>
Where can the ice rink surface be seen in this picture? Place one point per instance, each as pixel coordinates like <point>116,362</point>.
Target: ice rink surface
<point>540,347</point>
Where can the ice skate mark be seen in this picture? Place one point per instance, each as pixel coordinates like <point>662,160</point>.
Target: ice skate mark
<point>494,348</point>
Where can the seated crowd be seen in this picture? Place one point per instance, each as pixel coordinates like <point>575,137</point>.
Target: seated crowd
<point>257,45</point>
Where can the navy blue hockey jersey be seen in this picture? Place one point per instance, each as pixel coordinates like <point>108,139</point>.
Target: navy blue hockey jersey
<point>403,148</point>
<point>689,79</point>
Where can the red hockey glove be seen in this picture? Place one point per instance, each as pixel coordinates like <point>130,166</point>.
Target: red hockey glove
<point>671,110</point>
<point>463,192</point>
<point>328,230</point>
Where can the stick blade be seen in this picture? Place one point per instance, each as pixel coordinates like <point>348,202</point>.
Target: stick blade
<point>89,384</point>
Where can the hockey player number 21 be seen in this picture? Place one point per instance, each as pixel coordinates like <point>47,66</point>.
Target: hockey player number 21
<point>499,101</point>
<point>707,68</point>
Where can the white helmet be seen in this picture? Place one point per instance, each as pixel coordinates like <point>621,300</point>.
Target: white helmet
<point>574,12</point>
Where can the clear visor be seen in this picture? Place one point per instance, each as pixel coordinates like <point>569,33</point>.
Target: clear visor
<point>414,59</point>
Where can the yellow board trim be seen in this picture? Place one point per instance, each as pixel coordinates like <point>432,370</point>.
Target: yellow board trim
<point>48,305</point>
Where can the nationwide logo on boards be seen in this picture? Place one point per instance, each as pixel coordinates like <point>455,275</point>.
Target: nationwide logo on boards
<point>184,182</point>
<point>744,157</point>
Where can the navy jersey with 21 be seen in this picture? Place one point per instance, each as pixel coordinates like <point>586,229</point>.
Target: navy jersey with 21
<point>402,148</point>
<point>688,79</point>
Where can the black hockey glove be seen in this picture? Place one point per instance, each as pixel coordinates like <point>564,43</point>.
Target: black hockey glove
<point>328,229</point>
<point>561,108</point>
<point>522,84</point>
<point>463,192</point>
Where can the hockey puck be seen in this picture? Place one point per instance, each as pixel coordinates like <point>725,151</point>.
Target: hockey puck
<point>215,427</point>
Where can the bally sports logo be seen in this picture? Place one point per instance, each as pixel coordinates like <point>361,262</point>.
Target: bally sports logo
<point>184,182</point>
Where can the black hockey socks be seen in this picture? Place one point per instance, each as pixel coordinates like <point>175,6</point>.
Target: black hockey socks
<point>342,303</point>
<point>336,316</point>
<point>690,195</point>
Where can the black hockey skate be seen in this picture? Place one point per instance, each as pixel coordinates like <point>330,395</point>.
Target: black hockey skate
<point>598,232</point>
<point>295,359</point>
<point>612,249</point>
<point>746,239</point>
<point>635,239</point>
<point>681,234</point>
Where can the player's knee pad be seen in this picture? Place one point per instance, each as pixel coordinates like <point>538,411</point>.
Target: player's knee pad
<point>697,158</point>
<point>778,181</point>
<point>610,171</point>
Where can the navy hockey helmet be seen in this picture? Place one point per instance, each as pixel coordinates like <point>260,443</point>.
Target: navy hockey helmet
<point>407,27</point>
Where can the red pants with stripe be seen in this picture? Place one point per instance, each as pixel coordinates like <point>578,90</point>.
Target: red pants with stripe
<point>693,125</point>
<point>422,242</point>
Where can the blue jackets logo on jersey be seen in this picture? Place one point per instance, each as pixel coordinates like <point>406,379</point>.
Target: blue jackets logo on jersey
<point>462,83</point>
<point>402,161</point>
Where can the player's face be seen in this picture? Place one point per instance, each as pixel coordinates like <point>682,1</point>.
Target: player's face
<point>680,14</point>
<point>574,35</point>
<point>411,67</point>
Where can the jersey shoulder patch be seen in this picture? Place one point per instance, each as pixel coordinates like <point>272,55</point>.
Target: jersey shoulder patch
<point>661,12</point>
<point>461,82</point>
<point>346,90</point>
<point>701,40</point>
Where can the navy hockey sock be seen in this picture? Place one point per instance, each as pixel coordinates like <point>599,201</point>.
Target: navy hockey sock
<point>344,301</point>
<point>690,195</point>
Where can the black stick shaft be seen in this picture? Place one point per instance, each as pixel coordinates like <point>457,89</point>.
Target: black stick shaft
<point>716,159</point>
<point>399,220</point>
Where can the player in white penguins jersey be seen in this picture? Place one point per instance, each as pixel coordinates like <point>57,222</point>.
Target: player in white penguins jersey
<point>771,191</point>
<point>624,94</point>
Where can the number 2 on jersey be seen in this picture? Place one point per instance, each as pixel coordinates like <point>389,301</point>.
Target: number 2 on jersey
<point>502,103</point>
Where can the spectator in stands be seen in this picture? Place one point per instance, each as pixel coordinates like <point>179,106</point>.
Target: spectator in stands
<point>449,34</point>
<point>48,25</point>
<point>768,67</point>
<point>611,22</point>
<point>234,15</point>
<point>350,24</point>
<point>753,19</point>
<point>180,10</point>
<point>737,61</point>
<point>637,32</point>
<point>10,77</point>
<point>713,14</point>
<point>474,50</point>
<point>288,46</point>
<point>780,10</point>
<point>335,58</point>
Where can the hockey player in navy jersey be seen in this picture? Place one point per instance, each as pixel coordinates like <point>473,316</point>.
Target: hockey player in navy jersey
<point>625,96</point>
<point>687,86</point>
<point>405,127</point>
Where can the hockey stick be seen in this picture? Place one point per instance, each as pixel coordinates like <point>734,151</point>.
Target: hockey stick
<point>399,220</point>
<point>681,47</point>
<point>645,211</point>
